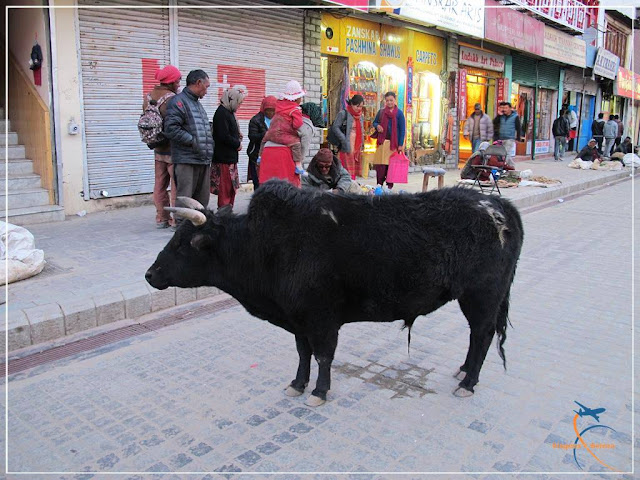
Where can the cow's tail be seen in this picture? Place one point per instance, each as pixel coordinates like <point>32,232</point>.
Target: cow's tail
<point>501,327</point>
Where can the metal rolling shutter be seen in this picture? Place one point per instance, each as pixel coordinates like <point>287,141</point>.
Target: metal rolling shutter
<point>548,75</point>
<point>232,42</point>
<point>113,43</point>
<point>524,70</point>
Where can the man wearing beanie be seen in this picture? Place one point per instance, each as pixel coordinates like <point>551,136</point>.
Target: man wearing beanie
<point>168,79</point>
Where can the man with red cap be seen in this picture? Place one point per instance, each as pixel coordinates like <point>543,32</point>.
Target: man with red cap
<point>168,82</point>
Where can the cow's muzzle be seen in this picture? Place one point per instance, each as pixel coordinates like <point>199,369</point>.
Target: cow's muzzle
<point>153,278</point>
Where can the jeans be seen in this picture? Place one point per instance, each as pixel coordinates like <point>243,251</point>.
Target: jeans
<point>560,147</point>
<point>508,145</point>
<point>474,144</point>
<point>599,140</point>
<point>608,145</point>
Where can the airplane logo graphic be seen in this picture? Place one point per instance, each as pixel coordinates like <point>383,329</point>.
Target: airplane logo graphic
<point>589,412</point>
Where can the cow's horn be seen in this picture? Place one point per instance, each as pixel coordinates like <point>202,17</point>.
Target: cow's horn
<point>196,217</point>
<point>189,203</point>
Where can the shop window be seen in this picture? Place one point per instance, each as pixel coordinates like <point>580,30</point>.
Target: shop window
<point>426,111</point>
<point>363,78</point>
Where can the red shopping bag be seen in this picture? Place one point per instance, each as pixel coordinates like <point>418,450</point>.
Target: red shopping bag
<point>398,168</point>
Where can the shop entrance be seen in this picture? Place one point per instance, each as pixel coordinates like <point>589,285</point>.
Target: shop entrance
<point>586,119</point>
<point>522,101</point>
<point>481,88</point>
<point>334,73</point>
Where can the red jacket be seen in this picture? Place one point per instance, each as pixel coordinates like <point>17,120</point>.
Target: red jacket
<point>285,124</point>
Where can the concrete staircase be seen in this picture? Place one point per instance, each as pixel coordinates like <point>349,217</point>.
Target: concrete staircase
<point>20,187</point>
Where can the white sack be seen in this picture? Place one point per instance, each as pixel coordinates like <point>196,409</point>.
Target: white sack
<point>19,259</point>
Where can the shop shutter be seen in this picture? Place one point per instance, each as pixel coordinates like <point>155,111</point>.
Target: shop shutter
<point>120,49</point>
<point>548,75</point>
<point>524,70</point>
<point>259,48</point>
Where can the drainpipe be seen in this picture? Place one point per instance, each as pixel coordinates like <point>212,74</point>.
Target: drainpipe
<point>535,112</point>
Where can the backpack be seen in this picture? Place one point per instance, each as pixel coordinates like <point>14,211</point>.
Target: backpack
<point>151,123</point>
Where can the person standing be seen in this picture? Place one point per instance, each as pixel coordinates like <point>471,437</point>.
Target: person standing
<point>227,143</point>
<point>391,128</point>
<point>187,127</point>
<point>610,133</point>
<point>597,130</point>
<point>478,128</point>
<point>277,158</point>
<point>560,130</point>
<point>311,119</point>
<point>510,130</point>
<point>168,83</point>
<point>258,126</point>
<point>573,125</point>
<point>620,130</point>
<point>347,133</point>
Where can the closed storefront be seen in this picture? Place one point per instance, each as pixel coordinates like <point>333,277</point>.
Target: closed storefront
<point>534,95</point>
<point>119,56</point>
<point>121,49</point>
<point>259,48</point>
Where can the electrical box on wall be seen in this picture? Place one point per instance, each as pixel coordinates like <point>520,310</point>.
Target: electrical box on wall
<point>74,128</point>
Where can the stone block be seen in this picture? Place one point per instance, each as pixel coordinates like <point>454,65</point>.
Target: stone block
<point>204,292</point>
<point>46,321</point>
<point>109,307</point>
<point>19,330</point>
<point>161,299</point>
<point>137,300</point>
<point>185,295</point>
<point>79,314</point>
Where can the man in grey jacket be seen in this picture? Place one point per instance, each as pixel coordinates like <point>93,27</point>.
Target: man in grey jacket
<point>610,134</point>
<point>187,127</point>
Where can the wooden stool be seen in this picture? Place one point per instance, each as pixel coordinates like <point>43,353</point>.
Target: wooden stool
<point>432,172</point>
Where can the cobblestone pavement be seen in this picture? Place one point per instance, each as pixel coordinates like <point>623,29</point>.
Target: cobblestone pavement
<point>206,395</point>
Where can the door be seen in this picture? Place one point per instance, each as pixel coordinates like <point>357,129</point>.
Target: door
<point>586,119</point>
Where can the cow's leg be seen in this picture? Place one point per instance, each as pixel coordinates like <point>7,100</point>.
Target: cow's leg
<point>464,368</point>
<point>301,381</point>
<point>481,310</point>
<point>324,348</point>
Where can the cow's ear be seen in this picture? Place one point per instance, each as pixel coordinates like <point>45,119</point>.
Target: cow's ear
<point>201,241</point>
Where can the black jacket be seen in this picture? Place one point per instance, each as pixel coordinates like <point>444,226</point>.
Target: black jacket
<point>560,127</point>
<point>597,128</point>
<point>226,135</point>
<point>257,129</point>
<point>187,126</point>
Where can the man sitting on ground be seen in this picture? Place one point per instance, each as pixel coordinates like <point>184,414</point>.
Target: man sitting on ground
<point>590,152</point>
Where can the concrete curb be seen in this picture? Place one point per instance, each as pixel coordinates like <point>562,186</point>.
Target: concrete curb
<point>52,321</point>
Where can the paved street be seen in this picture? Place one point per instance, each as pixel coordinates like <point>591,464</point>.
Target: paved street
<point>206,395</point>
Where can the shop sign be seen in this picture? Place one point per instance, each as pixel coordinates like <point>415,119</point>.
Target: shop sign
<point>352,37</point>
<point>606,64</point>
<point>394,46</point>
<point>462,94</point>
<point>542,146</point>
<point>428,52</point>
<point>501,86</point>
<point>409,82</point>
<point>628,84</point>
<point>513,29</point>
<point>480,59</point>
<point>570,13</point>
<point>355,4</point>
<point>464,16</point>
<point>564,48</point>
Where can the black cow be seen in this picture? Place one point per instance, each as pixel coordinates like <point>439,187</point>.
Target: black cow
<point>299,259</point>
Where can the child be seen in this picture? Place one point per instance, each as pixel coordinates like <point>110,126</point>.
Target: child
<point>286,122</point>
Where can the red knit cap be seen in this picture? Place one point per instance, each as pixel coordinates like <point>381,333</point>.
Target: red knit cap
<point>268,102</point>
<point>168,74</point>
<point>323,155</point>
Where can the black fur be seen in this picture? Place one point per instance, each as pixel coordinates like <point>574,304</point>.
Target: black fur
<point>310,262</point>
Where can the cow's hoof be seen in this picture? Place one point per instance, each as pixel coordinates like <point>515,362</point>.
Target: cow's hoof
<point>314,401</point>
<point>462,392</point>
<point>460,375</point>
<point>292,392</point>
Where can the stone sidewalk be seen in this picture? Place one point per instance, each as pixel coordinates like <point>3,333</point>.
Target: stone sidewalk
<point>206,395</point>
<point>95,264</point>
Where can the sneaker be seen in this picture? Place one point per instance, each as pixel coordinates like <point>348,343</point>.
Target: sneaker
<point>300,171</point>
<point>161,225</point>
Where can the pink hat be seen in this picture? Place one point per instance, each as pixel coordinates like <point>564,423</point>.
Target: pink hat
<point>168,74</point>
<point>293,91</point>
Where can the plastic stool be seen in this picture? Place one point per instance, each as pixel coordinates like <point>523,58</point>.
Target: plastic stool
<point>433,172</point>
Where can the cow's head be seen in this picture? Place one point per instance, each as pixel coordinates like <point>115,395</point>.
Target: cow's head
<point>188,260</point>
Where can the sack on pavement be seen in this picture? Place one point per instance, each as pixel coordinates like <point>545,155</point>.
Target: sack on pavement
<point>18,254</point>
